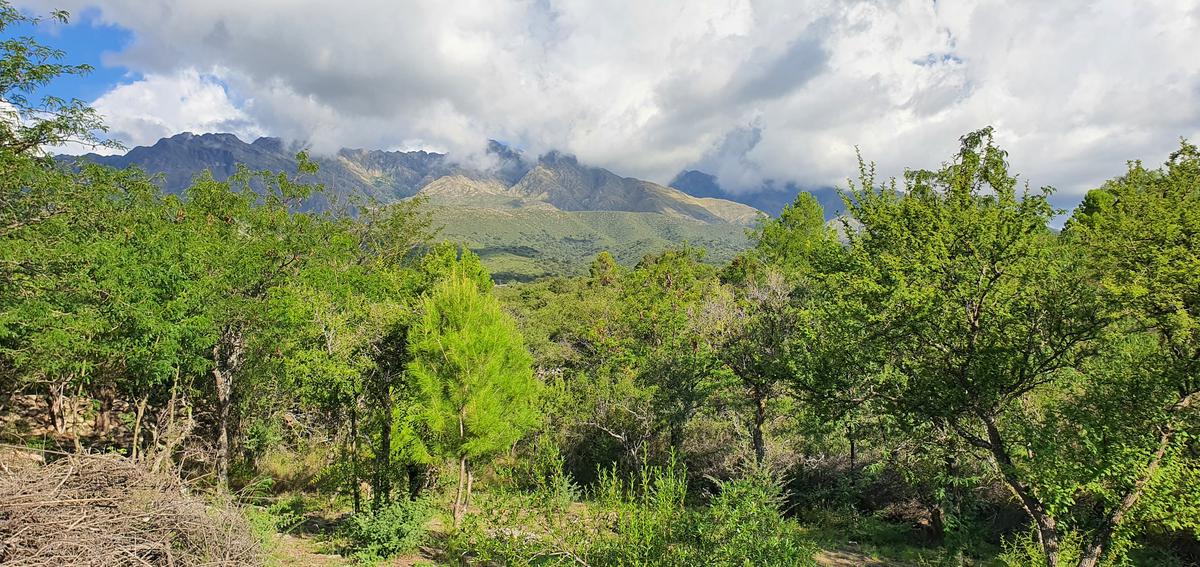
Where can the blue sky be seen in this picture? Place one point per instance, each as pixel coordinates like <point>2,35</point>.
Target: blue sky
<point>86,40</point>
<point>1073,88</point>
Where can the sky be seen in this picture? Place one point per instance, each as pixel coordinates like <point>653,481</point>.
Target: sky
<point>749,90</point>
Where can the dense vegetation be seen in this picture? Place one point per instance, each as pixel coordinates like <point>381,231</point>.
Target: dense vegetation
<point>941,368</point>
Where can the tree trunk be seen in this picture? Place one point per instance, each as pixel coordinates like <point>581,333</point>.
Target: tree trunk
<point>937,522</point>
<point>103,421</point>
<point>162,454</point>
<point>227,360</point>
<point>467,496</point>
<point>356,490</point>
<point>853,452</point>
<point>416,480</point>
<point>458,494</point>
<point>383,460</point>
<point>1047,526</point>
<point>56,407</point>
<point>760,418</point>
<point>135,443</point>
<point>222,381</point>
<point>73,413</point>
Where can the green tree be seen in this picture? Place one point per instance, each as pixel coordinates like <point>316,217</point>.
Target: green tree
<point>798,240</point>
<point>755,322</point>
<point>751,327</point>
<point>474,378</point>
<point>1142,232</point>
<point>604,270</point>
<point>977,309</point>
<point>662,341</point>
<point>245,246</point>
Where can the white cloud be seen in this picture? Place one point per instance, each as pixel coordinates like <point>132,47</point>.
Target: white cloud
<point>648,88</point>
<point>161,105</point>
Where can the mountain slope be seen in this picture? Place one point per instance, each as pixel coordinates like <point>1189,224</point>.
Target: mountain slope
<point>556,179</point>
<point>523,244</point>
<point>563,182</point>
<point>384,175</point>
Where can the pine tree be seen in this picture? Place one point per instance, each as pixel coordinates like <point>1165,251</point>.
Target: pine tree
<point>474,378</point>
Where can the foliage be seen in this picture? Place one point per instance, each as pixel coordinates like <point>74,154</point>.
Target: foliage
<point>396,528</point>
<point>1024,549</point>
<point>473,377</point>
<point>743,526</point>
<point>644,521</point>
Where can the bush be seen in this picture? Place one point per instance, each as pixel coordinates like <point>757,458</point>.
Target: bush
<point>650,518</point>
<point>743,526</point>
<point>287,514</point>
<point>399,527</point>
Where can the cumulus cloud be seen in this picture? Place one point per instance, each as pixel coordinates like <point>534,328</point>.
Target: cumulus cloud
<point>747,89</point>
<point>157,106</point>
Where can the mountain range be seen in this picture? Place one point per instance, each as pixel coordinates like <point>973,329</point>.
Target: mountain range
<point>526,217</point>
<point>770,197</point>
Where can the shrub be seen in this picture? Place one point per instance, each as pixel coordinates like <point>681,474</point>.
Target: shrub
<point>650,518</point>
<point>743,526</point>
<point>399,527</point>
<point>287,513</point>
<point>640,521</point>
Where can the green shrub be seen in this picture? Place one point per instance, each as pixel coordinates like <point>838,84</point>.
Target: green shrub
<point>743,526</point>
<point>287,513</point>
<point>650,519</point>
<point>399,527</point>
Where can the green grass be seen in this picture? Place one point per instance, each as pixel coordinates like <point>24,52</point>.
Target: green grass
<point>527,244</point>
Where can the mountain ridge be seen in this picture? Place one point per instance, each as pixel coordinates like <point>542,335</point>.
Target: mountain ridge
<point>554,179</point>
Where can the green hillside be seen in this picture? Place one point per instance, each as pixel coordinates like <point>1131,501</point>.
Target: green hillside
<point>525,244</point>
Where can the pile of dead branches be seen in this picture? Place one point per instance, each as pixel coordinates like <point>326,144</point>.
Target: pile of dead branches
<point>107,510</point>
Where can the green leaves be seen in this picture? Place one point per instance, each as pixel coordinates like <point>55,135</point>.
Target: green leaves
<point>472,371</point>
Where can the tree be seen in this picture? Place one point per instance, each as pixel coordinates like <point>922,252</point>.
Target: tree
<point>604,270</point>
<point>754,322</point>
<point>474,378</point>
<point>245,245</point>
<point>661,337</point>
<point>977,309</point>
<point>1142,232</point>
<point>798,240</point>
<point>752,326</point>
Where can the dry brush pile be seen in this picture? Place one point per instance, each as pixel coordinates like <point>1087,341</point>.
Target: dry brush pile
<point>108,510</point>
